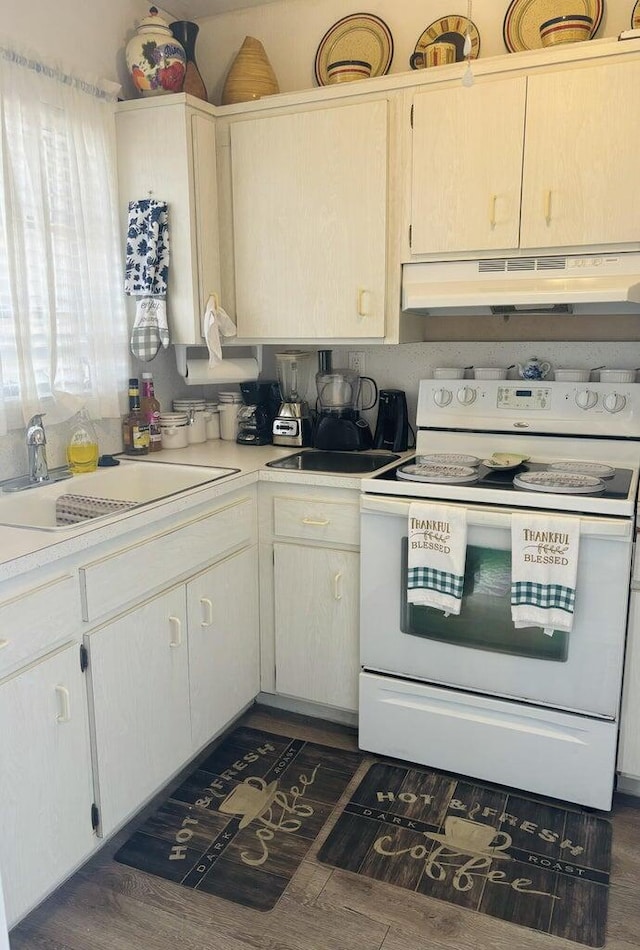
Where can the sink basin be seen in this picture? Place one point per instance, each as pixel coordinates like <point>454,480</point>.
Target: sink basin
<point>138,483</point>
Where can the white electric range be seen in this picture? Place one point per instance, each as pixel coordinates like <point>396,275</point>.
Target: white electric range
<point>471,693</point>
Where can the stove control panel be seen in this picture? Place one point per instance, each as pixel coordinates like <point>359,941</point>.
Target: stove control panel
<point>541,406</point>
<point>524,398</point>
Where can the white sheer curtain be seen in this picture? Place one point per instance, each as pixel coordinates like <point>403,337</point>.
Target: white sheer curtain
<point>63,326</point>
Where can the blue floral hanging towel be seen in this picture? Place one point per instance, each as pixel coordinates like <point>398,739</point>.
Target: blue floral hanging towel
<point>147,263</point>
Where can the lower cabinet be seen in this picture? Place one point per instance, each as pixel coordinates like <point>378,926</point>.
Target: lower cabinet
<point>309,587</point>
<point>316,624</point>
<point>46,791</point>
<point>224,648</point>
<point>629,747</point>
<point>139,672</point>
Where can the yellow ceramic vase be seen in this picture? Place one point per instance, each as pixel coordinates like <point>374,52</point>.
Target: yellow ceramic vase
<point>250,75</point>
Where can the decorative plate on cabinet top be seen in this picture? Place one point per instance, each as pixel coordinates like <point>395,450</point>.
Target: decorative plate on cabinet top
<point>450,29</point>
<point>635,17</point>
<point>358,36</point>
<point>521,29</point>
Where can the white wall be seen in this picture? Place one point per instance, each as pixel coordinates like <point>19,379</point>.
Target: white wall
<point>291,31</point>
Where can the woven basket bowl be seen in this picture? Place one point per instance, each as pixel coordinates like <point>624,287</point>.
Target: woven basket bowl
<point>250,75</point>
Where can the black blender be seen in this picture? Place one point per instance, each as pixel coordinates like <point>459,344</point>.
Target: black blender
<point>339,426</point>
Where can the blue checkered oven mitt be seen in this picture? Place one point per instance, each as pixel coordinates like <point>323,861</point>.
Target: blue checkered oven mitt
<point>150,330</point>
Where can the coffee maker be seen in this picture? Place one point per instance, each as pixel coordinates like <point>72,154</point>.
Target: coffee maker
<point>292,424</point>
<point>339,426</point>
<point>392,427</point>
<point>255,418</point>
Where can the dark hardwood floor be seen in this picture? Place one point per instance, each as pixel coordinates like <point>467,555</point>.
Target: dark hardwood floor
<point>108,906</point>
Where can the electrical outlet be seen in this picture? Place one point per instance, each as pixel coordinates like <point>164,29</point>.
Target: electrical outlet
<point>356,361</point>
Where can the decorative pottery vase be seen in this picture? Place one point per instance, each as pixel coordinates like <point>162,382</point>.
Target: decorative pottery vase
<point>155,59</point>
<point>250,75</point>
<point>186,32</point>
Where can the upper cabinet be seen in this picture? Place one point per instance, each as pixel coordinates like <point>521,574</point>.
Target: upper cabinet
<point>544,161</point>
<point>167,150</point>
<point>467,166</point>
<point>580,161</point>
<point>310,223</point>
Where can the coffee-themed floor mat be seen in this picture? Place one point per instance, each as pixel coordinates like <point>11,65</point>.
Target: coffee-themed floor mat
<point>242,822</point>
<point>481,847</point>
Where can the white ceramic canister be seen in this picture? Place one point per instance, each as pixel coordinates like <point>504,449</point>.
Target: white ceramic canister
<point>212,420</point>
<point>173,430</point>
<point>195,410</point>
<point>229,420</point>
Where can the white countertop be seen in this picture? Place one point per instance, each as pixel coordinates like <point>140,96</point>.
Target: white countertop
<point>23,549</point>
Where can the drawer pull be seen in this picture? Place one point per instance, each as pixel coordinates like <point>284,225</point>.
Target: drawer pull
<point>316,522</point>
<point>337,586</point>
<point>176,632</point>
<point>547,207</point>
<point>64,704</point>
<point>4,643</point>
<point>207,612</point>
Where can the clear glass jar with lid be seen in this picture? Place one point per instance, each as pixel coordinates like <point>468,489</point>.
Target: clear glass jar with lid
<point>212,420</point>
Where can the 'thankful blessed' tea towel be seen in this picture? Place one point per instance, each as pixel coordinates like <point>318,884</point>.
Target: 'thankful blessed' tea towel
<point>437,537</point>
<point>544,567</point>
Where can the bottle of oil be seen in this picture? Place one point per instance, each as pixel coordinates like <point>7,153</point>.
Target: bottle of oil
<point>82,447</point>
<point>135,428</point>
<point>151,411</point>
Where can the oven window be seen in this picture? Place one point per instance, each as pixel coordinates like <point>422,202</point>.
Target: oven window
<point>484,622</point>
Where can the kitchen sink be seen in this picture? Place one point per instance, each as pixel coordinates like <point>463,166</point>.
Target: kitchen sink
<point>133,483</point>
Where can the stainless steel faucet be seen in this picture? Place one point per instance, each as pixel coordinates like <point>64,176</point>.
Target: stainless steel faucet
<point>36,445</point>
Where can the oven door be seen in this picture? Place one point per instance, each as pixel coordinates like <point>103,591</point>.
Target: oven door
<point>480,649</point>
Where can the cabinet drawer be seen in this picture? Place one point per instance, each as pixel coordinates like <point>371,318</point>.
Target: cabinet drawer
<point>35,620</point>
<point>130,574</point>
<point>313,518</point>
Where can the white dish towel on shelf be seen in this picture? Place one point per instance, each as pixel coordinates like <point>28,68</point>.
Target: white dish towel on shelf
<point>437,536</point>
<point>544,568</point>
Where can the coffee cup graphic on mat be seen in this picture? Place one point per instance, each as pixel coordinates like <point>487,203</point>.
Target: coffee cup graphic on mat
<point>249,799</point>
<point>472,837</point>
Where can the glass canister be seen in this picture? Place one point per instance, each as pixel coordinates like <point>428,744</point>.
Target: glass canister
<point>173,430</point>
<point>212,420</point>
<point>195,410</point>
<point>229,420</point>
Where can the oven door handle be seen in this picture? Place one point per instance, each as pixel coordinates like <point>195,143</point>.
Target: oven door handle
<point>487,517</point>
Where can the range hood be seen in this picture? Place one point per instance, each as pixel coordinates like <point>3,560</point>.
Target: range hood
<point>585,284</point>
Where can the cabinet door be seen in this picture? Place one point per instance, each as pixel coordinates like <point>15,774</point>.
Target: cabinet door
<point>580,165</point>
<point>309,211</point>
<point>467,167</point>
<point>140,689</point>
<point>46,788</point>
<point>224,652</point>
<point>167,151</point>
<point>316,620</point>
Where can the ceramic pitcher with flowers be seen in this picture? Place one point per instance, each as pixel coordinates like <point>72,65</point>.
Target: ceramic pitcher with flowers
<point>533,369</point>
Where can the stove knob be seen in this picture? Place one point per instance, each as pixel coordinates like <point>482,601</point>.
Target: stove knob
<point>614,402</point>
<point>586,399</point>
<point>442,397</point>
<point>466,395</point>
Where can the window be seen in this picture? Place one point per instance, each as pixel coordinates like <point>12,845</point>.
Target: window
<point>63,326</point>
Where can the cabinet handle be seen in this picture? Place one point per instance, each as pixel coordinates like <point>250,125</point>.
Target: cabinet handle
<point>364,303</point>
<point>65,704</point>
<point>207,612</point>
<point>317,523</point>
<point>547,207</point>
<point>4,643</point>
<point>176,632</point>
<point>337,586</point>
<point>492,211</point>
